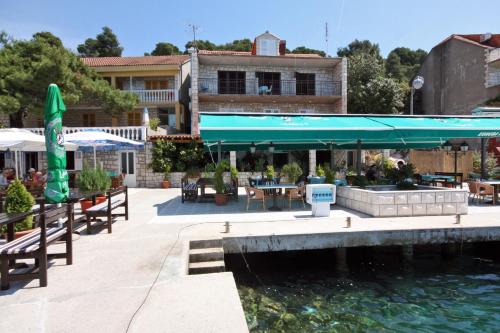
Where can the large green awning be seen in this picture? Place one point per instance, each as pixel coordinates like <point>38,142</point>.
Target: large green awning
<point>301,132</point>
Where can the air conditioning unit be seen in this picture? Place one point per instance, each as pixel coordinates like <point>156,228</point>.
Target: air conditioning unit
<point>485,37</point>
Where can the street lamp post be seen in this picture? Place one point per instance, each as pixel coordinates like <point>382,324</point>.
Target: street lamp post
<point>417,83</point>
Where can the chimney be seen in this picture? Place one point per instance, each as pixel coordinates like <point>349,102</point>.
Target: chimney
<point>282,49</point>
<point>485,37</point>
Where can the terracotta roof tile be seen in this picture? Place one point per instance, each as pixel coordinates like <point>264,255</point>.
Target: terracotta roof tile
<point>135,61</point>
<point>224,52</point>
<point>493,42</point>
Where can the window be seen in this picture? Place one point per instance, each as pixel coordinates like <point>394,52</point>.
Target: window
<point>31,160</point>
<point>305,84</point>
<point>167,117</point>
<point>230,82</point>
<point>70,160</point>
<point>122,83</point>
<point>270,80</point>
<point>134,118</point>
<point>155,84</point>
<point>271,110</point>
<point>306,110</point>
<point>107,78</point>
<point>89,119</point>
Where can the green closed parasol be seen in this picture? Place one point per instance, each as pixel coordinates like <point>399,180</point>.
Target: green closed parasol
<point>57,177</point>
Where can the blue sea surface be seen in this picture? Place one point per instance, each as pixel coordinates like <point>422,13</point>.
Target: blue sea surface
<point>377,295</point>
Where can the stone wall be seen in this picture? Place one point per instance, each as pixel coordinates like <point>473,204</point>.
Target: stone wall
<point>429,201</point>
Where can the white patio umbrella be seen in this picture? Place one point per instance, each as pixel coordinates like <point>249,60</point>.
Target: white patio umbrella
<point>145,117</point>
<point>19,140</point>
<point>100,139</point>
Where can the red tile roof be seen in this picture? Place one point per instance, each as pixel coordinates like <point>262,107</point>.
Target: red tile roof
<point>493,42</point>
<point>247,53</point>
<point>135,61</point>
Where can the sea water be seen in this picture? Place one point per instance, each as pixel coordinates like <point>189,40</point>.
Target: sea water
<point>377,292</point>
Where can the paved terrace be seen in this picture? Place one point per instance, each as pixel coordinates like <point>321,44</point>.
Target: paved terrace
<point>112,274</point>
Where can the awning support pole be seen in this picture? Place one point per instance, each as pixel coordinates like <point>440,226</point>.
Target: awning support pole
<point>332,157</point>
<point>483,158</point>
<point>358,159</point>
<point>219,151</point>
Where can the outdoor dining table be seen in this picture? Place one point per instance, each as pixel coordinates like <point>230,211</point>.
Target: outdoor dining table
<point>274,188</point>
<point>496,189</point>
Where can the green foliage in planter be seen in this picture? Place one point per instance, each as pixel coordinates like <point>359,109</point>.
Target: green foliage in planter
<point>329,174</point>
<point>360,181</point>
<point>319,171</point>
<point>93,180</point>
<point>489,165</point>
<point>162,152</point>
<point>234,172</point>
<point>180,156</point>
<point>402,177</point>
<point>219,178</point>
<point>270,174</point>
<point>19,200</point>
<point>292,171</point>
<point>154,123</point>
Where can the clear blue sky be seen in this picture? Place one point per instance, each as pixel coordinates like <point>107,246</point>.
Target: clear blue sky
<point>140,24</point>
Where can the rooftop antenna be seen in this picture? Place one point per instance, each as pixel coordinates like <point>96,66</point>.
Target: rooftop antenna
<point>326,37</point>
<point>194,29</point>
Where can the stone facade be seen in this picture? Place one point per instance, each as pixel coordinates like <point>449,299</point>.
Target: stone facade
<point>426,201</point>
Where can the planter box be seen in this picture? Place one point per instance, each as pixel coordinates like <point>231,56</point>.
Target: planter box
<point>385,201</point>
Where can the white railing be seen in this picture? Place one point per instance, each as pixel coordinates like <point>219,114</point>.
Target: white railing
<point>137,133</point>
<point>160,95</point>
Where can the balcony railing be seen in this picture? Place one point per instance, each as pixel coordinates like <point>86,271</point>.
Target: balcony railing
<point>155,96</point>
<point>137,133</point>
<point>269,87</point>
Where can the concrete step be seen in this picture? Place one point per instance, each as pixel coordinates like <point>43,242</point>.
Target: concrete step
<point>209,254</point>
<point>207,267</point>
<point>205,243</point>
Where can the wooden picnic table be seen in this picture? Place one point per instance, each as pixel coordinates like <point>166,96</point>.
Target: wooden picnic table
<point>274,188</point>
<point>496,189</point>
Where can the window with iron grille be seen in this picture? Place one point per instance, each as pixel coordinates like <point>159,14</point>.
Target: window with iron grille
<point>231,82</point>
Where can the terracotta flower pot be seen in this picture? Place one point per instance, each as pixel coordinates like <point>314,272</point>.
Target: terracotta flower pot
<point>100,199</point>
<point>85,204</point>
<point>165,184</point>
<point>220,199</point>
<point>19,234</point>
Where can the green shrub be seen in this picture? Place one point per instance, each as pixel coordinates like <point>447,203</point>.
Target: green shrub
<point>154,123</point>
<point>270,174</point>
<point>93,180</point>
<point>489,165</point>
<point>319,171</point>
<point>292,172</point>
<point>19,200</point>
<point>360,181</point>
<point>219,178</point>
<point>234,172</point>
<point>329,174</point>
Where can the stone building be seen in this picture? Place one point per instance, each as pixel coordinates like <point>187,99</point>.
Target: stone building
<point>267,80</point>
<point>460,73</point>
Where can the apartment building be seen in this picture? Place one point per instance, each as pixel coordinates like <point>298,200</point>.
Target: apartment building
<point>267,80</point>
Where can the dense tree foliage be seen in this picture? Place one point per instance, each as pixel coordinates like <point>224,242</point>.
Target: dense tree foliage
<point>105,44</point>
<point>403,63</point>
<point>360,47</point>
<point>236,45</point>
<point>28,67</point>
<point>303,50</point>
<point>164,49</point>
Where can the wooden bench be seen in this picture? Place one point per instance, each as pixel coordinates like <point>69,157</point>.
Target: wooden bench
<point>189,191</point>
<point>34,245</point>
<point>105,209</point>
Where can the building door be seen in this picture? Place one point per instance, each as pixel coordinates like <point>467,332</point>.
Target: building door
<point>128,168</point>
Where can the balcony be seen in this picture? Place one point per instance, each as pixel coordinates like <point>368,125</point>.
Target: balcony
<point>251,90</point>
<point>137,133</point>
<point>156,96</point>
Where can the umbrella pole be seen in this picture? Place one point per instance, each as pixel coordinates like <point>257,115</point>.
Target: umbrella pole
<point>95,159</point>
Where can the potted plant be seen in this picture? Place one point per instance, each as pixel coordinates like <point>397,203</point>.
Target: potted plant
<point>19,200</point>
<point>292,172</point>
<point>92,180</point>
<point>220,196</point>
<point>329,175</point>
<point>166,174</point>
<point>270,173</point>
